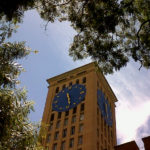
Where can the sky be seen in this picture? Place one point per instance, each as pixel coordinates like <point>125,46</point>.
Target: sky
<point>131,86</point>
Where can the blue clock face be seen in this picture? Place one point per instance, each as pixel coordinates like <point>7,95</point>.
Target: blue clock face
<point>69,97</point>
<point>104,107</point>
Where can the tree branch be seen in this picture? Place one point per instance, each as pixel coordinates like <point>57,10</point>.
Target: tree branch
<point>140,30</point>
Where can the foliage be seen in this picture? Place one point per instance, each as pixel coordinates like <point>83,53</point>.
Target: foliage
<point>111,32</point>
<point>16,130</point>
<point>14,10</point>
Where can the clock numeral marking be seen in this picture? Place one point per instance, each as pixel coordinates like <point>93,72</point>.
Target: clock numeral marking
<point>80,88</point>
<point>56,106</point>
<point>55,102</point>
<point>57,96</point>
<point>63,91</point>
<point>60,108</point>
<point>69,87</point>
<point>81,92</point>
<point>74,103</point>
<point>67,106</point>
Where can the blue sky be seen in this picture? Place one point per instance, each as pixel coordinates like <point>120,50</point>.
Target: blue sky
<point>130,85</point>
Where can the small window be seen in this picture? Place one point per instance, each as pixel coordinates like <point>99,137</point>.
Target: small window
<point>57,90</point>
<point>73,119</point>
<point>97,146</point>
<point>84,80</point>
<point>59,115</point>
<point>77,81</point>
<point>55,146</point>
<point>50,127</point>
<point>80,128</point>
<point>98,132</point>
<point>66,122</point>
<point>56,135</point>
<point>52,117</point>
<point>72,130</point>
<point>66,113</point>
<point>70,84</point>
<point>64,133</point>
<point>102,138</point>
<point>58,124</point>
<point>64,86</point>
<point>62,146</point>
<point>74,110</point>
<point>48,138</point>
<point>80,140</point>
<point>81,116</point>
<point>71,144</point>
<point>82,107</point>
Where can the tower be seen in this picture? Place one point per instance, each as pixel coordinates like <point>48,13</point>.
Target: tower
<point>80,111</point>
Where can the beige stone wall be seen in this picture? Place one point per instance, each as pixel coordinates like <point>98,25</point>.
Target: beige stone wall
<point>96,134</point>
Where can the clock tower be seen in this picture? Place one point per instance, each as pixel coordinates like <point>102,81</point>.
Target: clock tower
<point>80,111</point>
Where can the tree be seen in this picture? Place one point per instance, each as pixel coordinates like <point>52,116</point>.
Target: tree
<point>14,10</point>
<point>111,32</point>
<point>17,132</point>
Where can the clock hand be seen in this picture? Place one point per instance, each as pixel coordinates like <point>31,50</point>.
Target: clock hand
<point>68,97</point>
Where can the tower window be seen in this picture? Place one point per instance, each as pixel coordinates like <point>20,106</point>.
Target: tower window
<point>73,119</point>
<point>77,81</point>
<point>74,110</point>
<point>48,138</point>
<point>57,90</point>
<point>80,140</point>
<point>98,132</point>
<point>59,115</point>
<point>71,144</point>
<point>58,124</point>
<point>66,113</point>
<point>72,130</point>
<point>50,126</point>
<point>62,146</point>
<point>70,83</point>
<point>65,121</point>
<point>64,86</point>
<point>55,146</point>
<point>81,116</point>
<point>64,133</point>
<point>82,107</point>
<point>56,135</point>
<point>52,117</point>
<point>80,128</point>
<point>84,80</point>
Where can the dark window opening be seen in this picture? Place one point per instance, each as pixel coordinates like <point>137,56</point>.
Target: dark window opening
<point>71,144</point>
<point>84,80</point>
<point>59,115</point>
<point>74,110</point>
<point>57,89</point>
<point>56,135</point>
<point>64,133</point>
<point>82,107</point>
<point>52,117</point>
<point>80,140</point>
<point>77,81</point>
<point>72,130</point>
<point>66,113</point>
<point>64,86</point>
<point>70,84</point>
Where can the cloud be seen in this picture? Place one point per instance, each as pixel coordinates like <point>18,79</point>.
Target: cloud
<point>131,87</point>
<point>144,129</point>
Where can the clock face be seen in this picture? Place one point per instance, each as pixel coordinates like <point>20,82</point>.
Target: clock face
<point>104,107</point>
<point>69,97</point>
